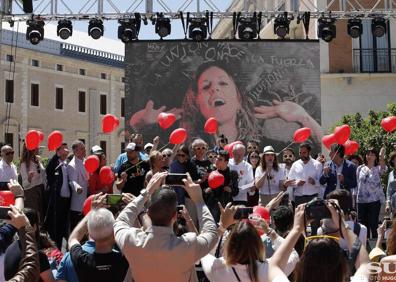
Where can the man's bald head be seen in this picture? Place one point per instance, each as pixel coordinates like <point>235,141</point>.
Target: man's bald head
<point>239,152</point>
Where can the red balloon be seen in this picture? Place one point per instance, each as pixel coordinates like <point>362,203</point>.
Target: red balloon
<point>91,163</point>
<point>178,136</point>
<point>6,198</point>
<point>166,120</point>
<point>55,140</point>
<point>389,123</point>
<point>342,133</point>
<point>109,123</point>
<point>302,134</point>
<point>87,205</point>
<point>351,147</point>
<point>106,175</point>
<point>211,126</point>
<point>262,212</point>
<point>32,140</point>
<point>41,136</point>
<point>328,140</point>
<point>215,179</point>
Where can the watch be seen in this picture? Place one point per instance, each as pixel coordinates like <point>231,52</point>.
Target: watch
<point>144,192</point>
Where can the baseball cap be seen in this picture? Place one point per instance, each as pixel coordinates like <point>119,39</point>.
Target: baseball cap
<point>148,145</point>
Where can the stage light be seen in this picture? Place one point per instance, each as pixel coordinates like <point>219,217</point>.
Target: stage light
<point>128,30</point>
<point>95,28</point>
<point>326,28</point>
<point>281,25</point>
<point>162,26</point>
<point>35,31</point>
<point>64,29</point>
<point>247,27</point>
<point>378,27</point>
<point>354,28</point>
<point>198,29</point>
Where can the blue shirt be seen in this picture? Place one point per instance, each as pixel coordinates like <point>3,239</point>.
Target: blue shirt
<point>66,269</point>
<point>124,158</point>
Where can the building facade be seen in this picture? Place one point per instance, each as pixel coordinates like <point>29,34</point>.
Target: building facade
<point>60,86</point>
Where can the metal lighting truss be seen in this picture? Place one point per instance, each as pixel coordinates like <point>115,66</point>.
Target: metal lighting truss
<point>50,10</point>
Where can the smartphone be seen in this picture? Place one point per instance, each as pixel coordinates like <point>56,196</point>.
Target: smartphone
<point>114,199</point>
<point>285,200</point>
<point>4,213</point>
<point>175,179</point>
<point>179,208</point>
<point>243,213</point>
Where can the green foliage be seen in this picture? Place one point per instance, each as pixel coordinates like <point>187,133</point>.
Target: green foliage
<point>368,132</point>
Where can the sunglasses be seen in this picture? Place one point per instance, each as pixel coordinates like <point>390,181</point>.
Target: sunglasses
<point>310,238</point>
<point>288,156</point>
<point>200,148</point>
<point>211,156</point>
<point>166,155</point>
<point>252,147</point>
<point>182,155</point>
<point>9,153</point>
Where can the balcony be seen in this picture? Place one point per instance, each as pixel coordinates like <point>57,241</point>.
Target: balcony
<point>374,60</point>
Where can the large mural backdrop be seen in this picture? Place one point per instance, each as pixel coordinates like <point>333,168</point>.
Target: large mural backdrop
<point>261,90</point>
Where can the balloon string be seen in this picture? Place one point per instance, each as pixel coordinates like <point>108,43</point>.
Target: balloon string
<point>285,148</point>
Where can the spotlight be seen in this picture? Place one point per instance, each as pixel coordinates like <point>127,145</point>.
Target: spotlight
<point>378,27</point>
<point>162,26</point>
<point>281,25</point>
<point>35,31</point>
<point>95,28</point>
<point>64,29</point>
<point>355,28</point>
<point>326,28</point>
<point>128,30</point>
<point>197,30</point>
<point>247,27</point>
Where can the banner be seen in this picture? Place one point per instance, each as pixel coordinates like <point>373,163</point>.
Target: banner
<point>261,90</point>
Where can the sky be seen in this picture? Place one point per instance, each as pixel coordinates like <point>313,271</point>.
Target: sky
<point>110,42</point>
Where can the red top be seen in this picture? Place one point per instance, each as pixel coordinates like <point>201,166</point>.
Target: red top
<point>95,185</point>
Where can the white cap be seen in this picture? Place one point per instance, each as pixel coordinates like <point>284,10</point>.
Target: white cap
<point>96,150</point>
<point>269,150</point>
<point>130,147</point>
<point>148,145</point>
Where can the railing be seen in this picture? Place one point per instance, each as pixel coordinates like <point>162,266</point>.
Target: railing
<point>374,60</point>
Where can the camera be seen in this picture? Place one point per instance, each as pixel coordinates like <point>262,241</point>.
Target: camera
<point>243,213</point>
<point>388,221</point>
<point>316,209</point>
<point>175,179</point>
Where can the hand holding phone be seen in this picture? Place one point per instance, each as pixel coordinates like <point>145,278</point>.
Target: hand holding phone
<point>175,179</point>
<point>113,199</point>
<point>4,213</point>
<point>243,213</point>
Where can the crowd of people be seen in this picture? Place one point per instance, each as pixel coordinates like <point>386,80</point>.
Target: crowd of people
<point>275,217</point>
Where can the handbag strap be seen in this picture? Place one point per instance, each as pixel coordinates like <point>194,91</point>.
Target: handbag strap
<point>236,274</point>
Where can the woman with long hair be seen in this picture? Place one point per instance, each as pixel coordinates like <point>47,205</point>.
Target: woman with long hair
<point>156,161</point>
<point>269,177</point>
<point>254,159</point>
<point>391,190</point>
<point>33,180</point>
<point>214,93</point>
<point>244,257</point>
<point>370,193</point>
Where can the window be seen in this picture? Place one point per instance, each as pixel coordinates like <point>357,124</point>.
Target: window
<point>103,75</point>
<point>9,58</point>
<point>59,98</point>
<point>122,107</point>
<point>122,146</point>
<point>34,95</point>
<point>35,63</point>
<point>103,104</point>
<point>9,139</point>
<point>9,91</point>
<point>81,101</point>
<point>59,67</point>
<point>82,72</point>
<point>102,145</point>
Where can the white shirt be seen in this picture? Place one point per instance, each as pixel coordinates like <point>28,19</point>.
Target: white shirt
<point>343,243</point>
<point>78,177</point>
<point>290,188</point>
<point>301,171</point>
<point>270,186</point>
<point>38,177</point>
<point>245,178</point>
<point>217,270</point>
<point>7,171</point>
